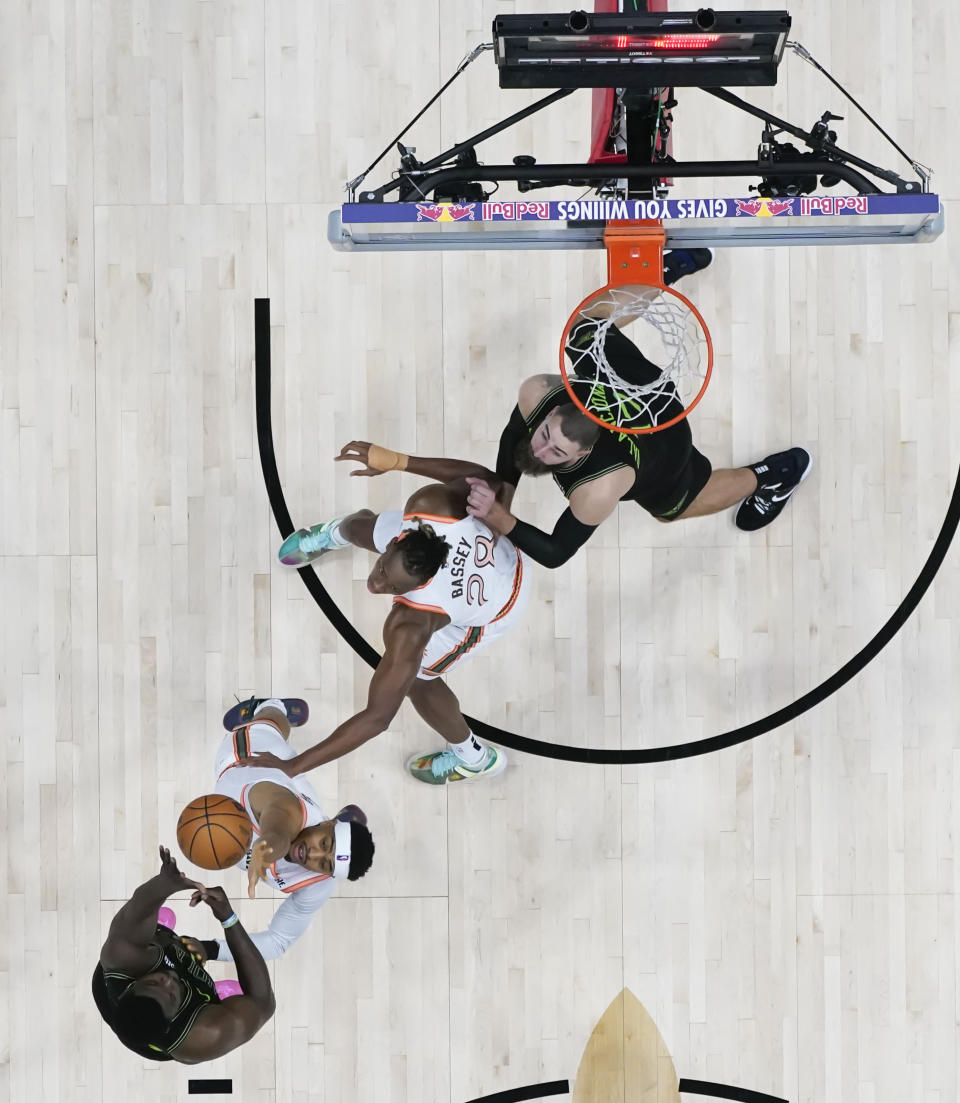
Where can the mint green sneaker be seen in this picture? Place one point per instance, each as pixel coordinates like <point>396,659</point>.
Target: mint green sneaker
<point>442,766</point>
<point>306,545</point>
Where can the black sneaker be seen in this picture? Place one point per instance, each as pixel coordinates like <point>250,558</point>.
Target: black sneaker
<point>778,476</point>
<point>298,712</point>
<point>678,263</point>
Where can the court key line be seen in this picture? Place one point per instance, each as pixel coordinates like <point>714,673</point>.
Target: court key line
<point>599,755</point>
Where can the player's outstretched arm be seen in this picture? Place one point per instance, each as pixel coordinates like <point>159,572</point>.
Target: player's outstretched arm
<point>280,815</point>
<point>224,1026</point>
<point>377,460</point>
<point>134,926</point>
<point>405,635</point>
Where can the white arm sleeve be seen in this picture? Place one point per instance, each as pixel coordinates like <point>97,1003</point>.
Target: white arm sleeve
<point>289,922</point>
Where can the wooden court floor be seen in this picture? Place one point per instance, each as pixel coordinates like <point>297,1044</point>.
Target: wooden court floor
<point>783,916</point>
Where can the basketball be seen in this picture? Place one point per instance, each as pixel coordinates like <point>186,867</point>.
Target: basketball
<point>214,832</point>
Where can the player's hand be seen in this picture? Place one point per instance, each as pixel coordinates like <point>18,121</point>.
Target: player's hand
<point>172,875</point>
<point>261,857</point>
<point>483,504</point>
<point>215,899</point>
<point>195,947</point>
<point>359,451</point>
<point>264,760</point>
<point>481,500</point>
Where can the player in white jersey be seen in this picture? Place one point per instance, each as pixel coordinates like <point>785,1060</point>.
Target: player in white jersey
<point>456,586</point>
<point>297,849</point>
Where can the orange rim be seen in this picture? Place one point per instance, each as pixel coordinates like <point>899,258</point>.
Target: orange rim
<point>635,257</point>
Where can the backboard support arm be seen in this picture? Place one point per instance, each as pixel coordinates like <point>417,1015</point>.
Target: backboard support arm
<point>591,174</point>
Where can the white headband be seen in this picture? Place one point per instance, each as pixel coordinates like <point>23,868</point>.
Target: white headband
<point>342,838</point>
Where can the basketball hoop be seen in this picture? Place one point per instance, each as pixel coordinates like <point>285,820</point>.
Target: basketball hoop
<point>655,385</point>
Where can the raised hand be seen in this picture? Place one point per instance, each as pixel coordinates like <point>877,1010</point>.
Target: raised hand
<point>261,857</point>
<point>173,876</point>
<point>359,452</point>
<point>264,760</point>
<point>215,899</point>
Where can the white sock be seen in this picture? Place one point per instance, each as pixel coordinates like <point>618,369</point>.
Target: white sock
<point>273,703</point>
<point>335,538</point>
<point>471,751</point>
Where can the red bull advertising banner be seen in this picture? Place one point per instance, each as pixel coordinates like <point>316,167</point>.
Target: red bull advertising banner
<point>665,210</point>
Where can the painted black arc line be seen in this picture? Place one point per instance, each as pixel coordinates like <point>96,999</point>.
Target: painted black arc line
<point>725,1091</point>
<point>598,755</point>
<point>532,1091</point>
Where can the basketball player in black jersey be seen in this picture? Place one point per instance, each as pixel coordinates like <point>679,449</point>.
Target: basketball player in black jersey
<point>154,994</point>
<point>596,468</point>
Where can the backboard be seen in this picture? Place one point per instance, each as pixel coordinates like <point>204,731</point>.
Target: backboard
<point>688,223</point>
<point>630,172</point>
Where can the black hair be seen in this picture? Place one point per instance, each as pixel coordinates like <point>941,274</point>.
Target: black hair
<point>576,426</point>
<point>139,1019</point>
<point>361,850</point>
<point>423,552</point>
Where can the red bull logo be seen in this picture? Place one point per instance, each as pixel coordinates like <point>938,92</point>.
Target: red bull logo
<point>764,208</point>
<point>445,212</point>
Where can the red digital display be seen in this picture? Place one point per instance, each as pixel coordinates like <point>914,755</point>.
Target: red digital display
<point>692,49</point>
<point>685,42</point>
<point>668,42</point>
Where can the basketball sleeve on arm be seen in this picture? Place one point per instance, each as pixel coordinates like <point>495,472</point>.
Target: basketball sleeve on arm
<point>553,549</point>
<point>289,922</point>
<point>511,436</point>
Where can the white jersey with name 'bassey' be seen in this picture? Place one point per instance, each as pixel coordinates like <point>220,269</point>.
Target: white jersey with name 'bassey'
<point>481,578</point>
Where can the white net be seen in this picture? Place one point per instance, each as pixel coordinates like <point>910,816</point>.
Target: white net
<point>644,351</point>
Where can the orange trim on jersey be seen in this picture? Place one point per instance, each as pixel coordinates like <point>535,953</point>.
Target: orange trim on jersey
<point>423,608</point>
<point>517,583</point>
<point>443,664</point>
<point>247,808</point>
<point>432,517</point>
<point>310,881</point>
<point>422,586</point>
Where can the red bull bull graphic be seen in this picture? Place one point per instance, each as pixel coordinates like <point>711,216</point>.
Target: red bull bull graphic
<point>444,212</point>
<point>764,208</point>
